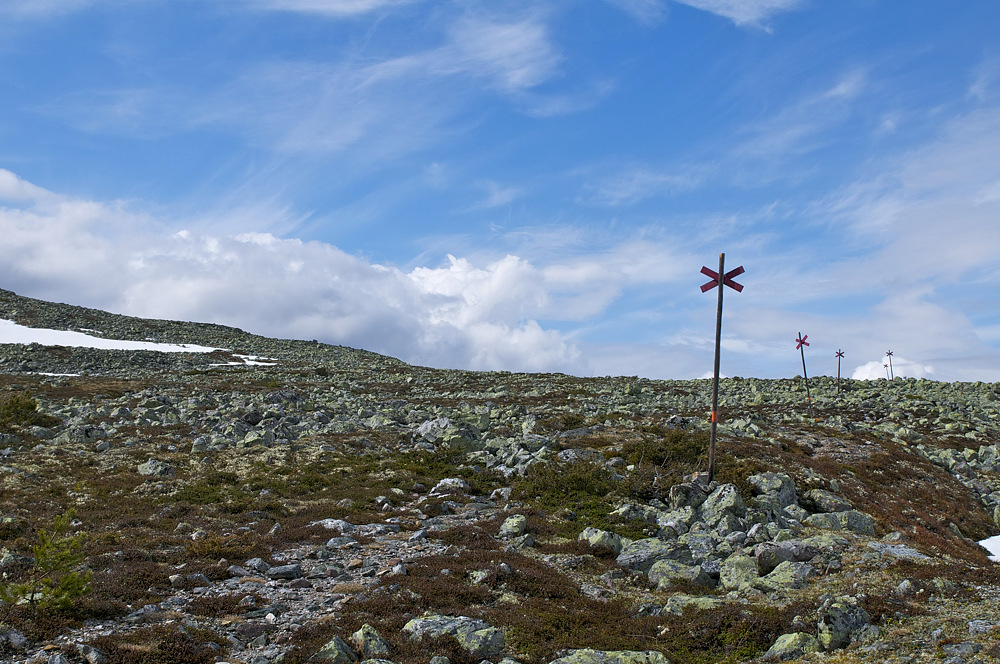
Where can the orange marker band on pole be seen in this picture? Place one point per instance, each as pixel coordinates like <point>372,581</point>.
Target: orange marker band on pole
<point>715,416</point>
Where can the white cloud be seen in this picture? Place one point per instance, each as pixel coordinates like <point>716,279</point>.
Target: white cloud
<point>108,256</point>
<point>496,194</point>
<point>901,368</point>
<point>333,8</point>
<point>744,12</point>
<point>633,185</point>
<point>649,12</point>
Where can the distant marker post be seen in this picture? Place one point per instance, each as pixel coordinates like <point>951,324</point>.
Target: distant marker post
<point>886,367</point>
<point>888,354</point>
<point>800,344</point>
<point>840,354</point>
<point>720,279</point>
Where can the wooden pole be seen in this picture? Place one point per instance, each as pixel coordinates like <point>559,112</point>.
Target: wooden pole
<point>802,350</point>
<point>840,354</point>
<point>715,380</point>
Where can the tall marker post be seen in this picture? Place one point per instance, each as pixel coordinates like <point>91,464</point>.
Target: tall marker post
<point>886,367</point>
<point>800,344</point>
<point>720,279</point>
<point>888,354</point>
<point>840,354</point>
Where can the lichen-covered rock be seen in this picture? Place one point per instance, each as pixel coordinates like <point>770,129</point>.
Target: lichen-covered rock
<point>336,651</point>
<point>779,485</point>
<point>792,646</point>
<point>687,494</point>
<point>513,526</point>
<point>598,537</point>
<point>475,636</point>
<point>666,572</point>
<point>724,500</point>
<point>820,500</point>
<point>154,468</point>
<point>851,520</point>
<point>787,576</point>
<point>677,604</point>
<point>771,554</point>
<point>737,571</point>
<point>841,621</point>
<point>588,656</point>
<point>642,553</point>
<point>370,643</point>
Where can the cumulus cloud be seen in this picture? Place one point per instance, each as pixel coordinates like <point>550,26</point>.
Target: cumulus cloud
<point>901,368</point>
<point>108,256</point>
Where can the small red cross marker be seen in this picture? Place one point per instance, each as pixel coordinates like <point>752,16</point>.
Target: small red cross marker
<point>801,341</point>
<point>840,353</point>
<point>727,279</point>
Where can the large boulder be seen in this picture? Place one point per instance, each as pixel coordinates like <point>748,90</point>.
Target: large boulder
<point>777,485</point>
<point>737,571</point>
<point>792,646</point>
<point>588,656</point>
<point>771,554</point>
<point>819,500</point>
<point>787,576</point>
<point>642,553</point>
<point>841,621</point>
<point>370,643</point>
<point>598,537</point>
<point>852,520</point>
<point>725,500</point>
<point>666,573</point>
<point>478,638</point>
<point>336,651</point>
<point>687,494</point>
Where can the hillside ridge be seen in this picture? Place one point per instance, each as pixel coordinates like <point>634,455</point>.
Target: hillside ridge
<point>337,505</point>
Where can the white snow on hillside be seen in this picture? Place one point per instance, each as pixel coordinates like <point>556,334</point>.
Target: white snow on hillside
<point>12,333</point>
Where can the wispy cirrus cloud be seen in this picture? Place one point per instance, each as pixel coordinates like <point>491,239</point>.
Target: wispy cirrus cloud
<point>636,184</point>
<point>331,8</point>
<point>649,12</point>
<point>745,12</point>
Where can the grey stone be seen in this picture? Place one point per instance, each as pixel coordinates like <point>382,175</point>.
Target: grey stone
<point>154,468</point>
<point>642,553</point>
<point>12,638</point>
<point>597,537</point>
<point>92,654</point>
<point>819,500</point>
<point>897,551</point>
<point>841,621</point>
<point>724,500</point>
<point>771,554</point>
<point>666,573</point>
<point>779,485</point>
<point>290,571</point>
<point>787,576</point>
<point>450,485</point>
<point>370,643</point>
<point>335,651</point>
<point>792,646</point>
<point>687,494</point>
<point>514,526</point>
<point>678,604</point>
<point>737,571</point>
<point>475,636</point>
<point>851,520</point>
<point>588,656</point>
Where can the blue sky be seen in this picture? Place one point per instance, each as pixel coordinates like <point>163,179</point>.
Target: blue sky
<point>518,185</point>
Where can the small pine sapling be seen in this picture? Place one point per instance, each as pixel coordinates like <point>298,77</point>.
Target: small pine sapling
<point>53,580</point>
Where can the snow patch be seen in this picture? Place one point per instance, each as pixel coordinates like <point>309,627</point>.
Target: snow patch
<point>12,333</point>
<point>992,544</point>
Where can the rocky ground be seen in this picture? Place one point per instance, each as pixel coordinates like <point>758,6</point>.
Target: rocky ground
<point>338,506</point>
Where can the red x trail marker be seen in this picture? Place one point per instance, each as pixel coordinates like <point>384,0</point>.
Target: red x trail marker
<point>839,355</point>
<point>727,279</point>
<point>800,344</point>
<point>720,279</point>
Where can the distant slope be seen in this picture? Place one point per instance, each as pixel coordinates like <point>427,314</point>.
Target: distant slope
<point>42,314</point>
